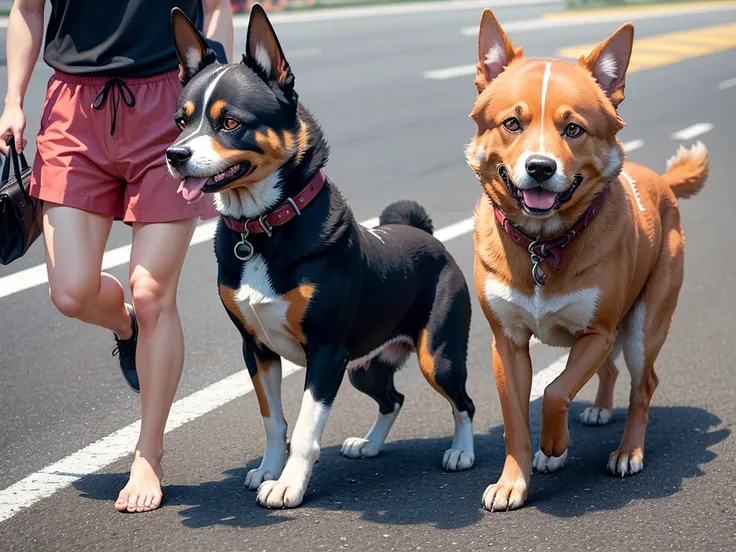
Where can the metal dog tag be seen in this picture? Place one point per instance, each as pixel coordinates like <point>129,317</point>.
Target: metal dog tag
<point>243,249</point>
<point>537,273</point>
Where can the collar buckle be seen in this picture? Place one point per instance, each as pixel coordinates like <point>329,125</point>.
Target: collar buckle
<point>267,228</point>
<point>293,204</point>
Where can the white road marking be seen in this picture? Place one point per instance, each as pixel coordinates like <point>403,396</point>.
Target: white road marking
<point>121,443</point>
<point>633,145</point>
<point>454,230</point>
<point>584,21</point>
<point>360,12</point>
<point>730,83</point>
<point>37,275</point>
<point>692,131</point>
<point>109,449</point>
<point>544,377</point>
<point>450,72</point>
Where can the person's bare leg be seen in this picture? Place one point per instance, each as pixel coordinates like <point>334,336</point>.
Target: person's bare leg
<point>74,241</point>
<point>155,265</point>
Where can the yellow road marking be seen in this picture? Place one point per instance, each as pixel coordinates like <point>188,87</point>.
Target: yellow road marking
<point>660,50</point>
<point>676,6</point>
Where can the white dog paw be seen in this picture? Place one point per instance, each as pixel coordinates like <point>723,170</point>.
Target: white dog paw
<point>257,476</point>
<point>278,494</point>
<point>548,464</point>
<point>626,463</point>
<point>596,416</point>
<point>501,496</point>
<point>355,447</point>
<point>457,460</point>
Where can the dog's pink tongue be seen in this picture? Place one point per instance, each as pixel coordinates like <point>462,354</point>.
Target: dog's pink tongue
<point>191,188</point>
<point>538,198</point>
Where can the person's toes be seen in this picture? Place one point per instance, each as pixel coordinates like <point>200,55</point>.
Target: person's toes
<point>141,502</point>
<point>121,504</point>
<point>132,502</point>
<point>156,500</point>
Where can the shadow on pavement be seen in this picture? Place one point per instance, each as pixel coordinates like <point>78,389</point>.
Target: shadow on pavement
<point>405,485</point>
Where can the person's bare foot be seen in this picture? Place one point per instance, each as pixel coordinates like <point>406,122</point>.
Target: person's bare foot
<point>143,491</point>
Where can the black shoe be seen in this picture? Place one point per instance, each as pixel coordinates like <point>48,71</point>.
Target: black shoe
<point>126,349</point>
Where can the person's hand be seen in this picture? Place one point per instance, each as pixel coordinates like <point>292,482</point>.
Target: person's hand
<point>12,123</point>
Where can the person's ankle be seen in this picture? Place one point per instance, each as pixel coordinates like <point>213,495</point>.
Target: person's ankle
<point>125,331</point>
<point>151,454</point>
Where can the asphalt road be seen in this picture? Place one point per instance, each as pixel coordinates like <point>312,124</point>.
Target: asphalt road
<point>395,134</point>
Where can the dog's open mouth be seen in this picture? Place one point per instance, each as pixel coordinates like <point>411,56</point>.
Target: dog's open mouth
<point>193,187</point>
<point>539,201</point>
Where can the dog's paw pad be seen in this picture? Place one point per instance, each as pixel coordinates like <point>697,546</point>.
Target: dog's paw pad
<point>257,476</point>
<point>626,463</point>
<point>548,464</point>
<point>275,494</point>
<point>501,497</point>
<point>596,416</point>
<point>457,460</point>
<point>355,447</point>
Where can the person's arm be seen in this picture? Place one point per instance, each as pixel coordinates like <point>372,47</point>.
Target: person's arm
<point>25,36</point>
<point>218,23</point>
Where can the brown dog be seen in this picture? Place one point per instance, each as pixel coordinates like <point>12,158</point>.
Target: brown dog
<point>554,181</point>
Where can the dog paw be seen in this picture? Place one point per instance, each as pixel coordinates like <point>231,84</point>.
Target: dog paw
<point>596,416</point>
<point>355,447</point>
<point>548,464</point>
<point>502,496</point>
<point>277,494</point>
<point>457,460</point>
<point>257,476</point>
<point>626,463</point>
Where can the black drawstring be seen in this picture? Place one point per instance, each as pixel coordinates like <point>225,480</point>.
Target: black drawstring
<point>122,92</point>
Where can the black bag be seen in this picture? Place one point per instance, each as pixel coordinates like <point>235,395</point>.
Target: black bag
<point>21,216</point>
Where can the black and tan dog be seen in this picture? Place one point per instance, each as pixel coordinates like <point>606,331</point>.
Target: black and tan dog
<point>298,276</point>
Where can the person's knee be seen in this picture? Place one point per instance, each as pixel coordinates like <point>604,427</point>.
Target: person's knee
<point>73,299</point>
<point>151,297</point>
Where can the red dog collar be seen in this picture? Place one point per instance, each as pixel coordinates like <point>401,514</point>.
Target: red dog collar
<point>289,209</point>
<point>549,249</point>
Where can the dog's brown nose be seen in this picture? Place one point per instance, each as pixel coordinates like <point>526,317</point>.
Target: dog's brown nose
<point>540,168</point>
<point>177,155</point>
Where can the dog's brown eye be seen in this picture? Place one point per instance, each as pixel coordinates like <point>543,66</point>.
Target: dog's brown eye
<point>230,124</point>
<point>512,124</point>
<point>573,131</point>
<point>181,123</point>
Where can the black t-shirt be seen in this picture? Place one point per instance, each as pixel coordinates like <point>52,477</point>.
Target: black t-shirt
<point>124,38</point>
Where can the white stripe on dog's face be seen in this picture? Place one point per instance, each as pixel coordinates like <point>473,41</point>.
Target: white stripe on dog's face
<point>219,73</point>
<point>545,86</point>
<point>559,181</point>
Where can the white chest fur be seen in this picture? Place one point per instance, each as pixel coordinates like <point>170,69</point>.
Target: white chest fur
<point>555,320</point>
<point>264,311</point>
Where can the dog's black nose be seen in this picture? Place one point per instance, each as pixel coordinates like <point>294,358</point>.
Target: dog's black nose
<point>176,155</point>
<point>540,168</point>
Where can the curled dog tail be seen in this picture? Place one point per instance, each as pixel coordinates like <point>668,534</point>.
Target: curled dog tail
<point>687,170</point>
<point>407,212</point>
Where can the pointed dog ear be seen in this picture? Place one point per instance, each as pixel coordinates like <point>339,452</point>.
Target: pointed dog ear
<point>495,50</point>
<point>262,50</point>
<point>609,61</point>
<point>191,47</point>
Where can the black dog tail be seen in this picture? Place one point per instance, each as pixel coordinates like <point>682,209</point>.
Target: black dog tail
<point>407,212</point>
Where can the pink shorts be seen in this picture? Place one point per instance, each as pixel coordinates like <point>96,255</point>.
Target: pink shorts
<point>111,160</point>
